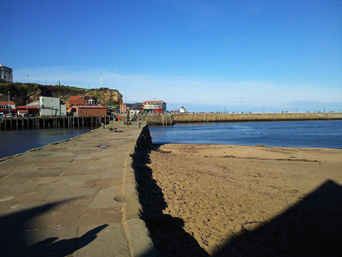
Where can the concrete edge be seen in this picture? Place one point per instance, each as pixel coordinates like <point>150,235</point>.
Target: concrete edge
<point>138,235</point>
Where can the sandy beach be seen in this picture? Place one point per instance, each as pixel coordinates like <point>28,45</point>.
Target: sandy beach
<point>219,200</point>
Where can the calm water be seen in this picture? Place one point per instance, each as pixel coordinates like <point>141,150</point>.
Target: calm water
<point>13,142</point>
<point>326,134</point>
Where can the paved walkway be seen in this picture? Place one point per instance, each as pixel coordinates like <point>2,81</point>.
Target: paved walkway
<point>74,198</point>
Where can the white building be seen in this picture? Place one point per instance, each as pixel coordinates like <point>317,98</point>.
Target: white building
<point>51,106</point>
<point>182,110</point>
<point>5,74</point>
<point>154,106</point>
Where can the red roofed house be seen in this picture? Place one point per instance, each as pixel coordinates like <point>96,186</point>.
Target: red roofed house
<point>88,111</point>
<point>80,100</point>
<point>85,106</point>
<point>28,110</point>
<point>75,101</point>
<point>4,107</point>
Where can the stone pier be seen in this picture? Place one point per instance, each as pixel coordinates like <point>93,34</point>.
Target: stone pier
<point>75,198</point>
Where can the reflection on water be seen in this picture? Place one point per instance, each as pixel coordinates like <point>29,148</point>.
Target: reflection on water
<point>326,134</point>
<point>13,142</point>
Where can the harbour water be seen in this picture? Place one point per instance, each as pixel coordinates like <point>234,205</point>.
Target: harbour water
<point>320,134</point>
<point>14,142</point>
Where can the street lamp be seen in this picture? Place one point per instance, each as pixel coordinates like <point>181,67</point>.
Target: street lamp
<point>9,102</point>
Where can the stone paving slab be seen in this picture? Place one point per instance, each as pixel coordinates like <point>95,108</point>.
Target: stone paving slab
<point>73,198</point>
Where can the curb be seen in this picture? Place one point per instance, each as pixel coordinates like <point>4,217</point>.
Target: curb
<point>138,236</point>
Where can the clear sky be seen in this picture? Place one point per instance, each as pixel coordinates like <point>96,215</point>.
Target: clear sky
<point>206,55</point>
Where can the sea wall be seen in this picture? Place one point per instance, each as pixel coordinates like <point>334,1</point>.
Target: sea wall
<point>160,119</point>
<point>219,117</point>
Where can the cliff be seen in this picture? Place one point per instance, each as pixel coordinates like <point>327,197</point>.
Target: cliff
<point>21,93</point>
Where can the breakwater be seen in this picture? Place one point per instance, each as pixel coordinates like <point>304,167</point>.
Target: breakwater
<point>170,119</point>
<point>53,122</point>
<point>164,119</point>
<point>225,117</point>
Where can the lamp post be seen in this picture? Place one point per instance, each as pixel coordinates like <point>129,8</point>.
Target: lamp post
<point>9,102</point>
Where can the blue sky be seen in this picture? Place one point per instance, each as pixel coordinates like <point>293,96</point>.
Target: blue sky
<point>206,55</point>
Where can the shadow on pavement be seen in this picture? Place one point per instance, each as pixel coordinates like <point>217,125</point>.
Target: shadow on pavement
<point>14,241</point>
<point>64,247</point>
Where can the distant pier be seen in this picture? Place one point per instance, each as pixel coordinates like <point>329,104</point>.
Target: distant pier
<point>48,122</point>
<point>170,119</point>
<point>243,117</point>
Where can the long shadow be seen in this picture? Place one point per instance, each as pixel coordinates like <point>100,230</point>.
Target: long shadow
<point>13,238</point>
<point>167,232</point>
<point>311,227</point>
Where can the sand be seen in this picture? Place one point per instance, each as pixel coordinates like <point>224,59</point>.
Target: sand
<point>247,200</point>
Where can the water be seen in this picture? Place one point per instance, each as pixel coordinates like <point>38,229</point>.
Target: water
<point>322,134</point>
<point>14,142</point>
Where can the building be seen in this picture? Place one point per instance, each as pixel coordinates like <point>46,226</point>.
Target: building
<point>91,100</point>
<point>5,74</point>
<point>4,107</point>
<point>82,101</point>
<point>77,100</point>
<point>87,111</point>
<point>125,107</point>
<point>154,106</point>
<point>28,110</point>
<point>132,108</point>
<point>51,106</point>
<point>182,110</point>
<point>136,108</point>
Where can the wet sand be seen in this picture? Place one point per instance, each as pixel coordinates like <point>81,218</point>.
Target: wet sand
<point>242,200</point>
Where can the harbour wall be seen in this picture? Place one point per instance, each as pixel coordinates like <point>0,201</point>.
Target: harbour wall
<point>160,120</point>
<point>219,117</point>
<point>170,119</point>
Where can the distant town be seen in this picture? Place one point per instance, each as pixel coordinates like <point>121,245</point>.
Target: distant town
<point>76,105</point>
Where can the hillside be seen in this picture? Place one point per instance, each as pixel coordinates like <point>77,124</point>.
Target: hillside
<point>21,93</point>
